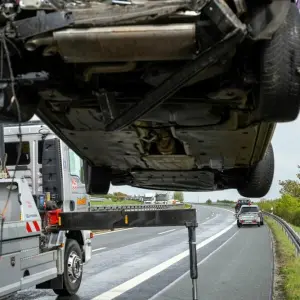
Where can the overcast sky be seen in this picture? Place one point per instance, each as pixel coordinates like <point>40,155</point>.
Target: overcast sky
<point>286,143</point>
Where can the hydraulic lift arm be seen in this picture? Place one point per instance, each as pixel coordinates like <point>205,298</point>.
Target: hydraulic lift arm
<point>95,220</point>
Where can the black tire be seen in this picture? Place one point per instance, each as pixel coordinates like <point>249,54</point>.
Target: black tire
<point>279,92</point>
<point>97,179</point>
<point>239,225</point>
<point>258,225</point>
<point>262,223</point>
<point>257,181</point>
<point>71,283</point>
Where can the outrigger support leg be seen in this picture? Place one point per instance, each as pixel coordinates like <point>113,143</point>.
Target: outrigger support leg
<point>191,226</point>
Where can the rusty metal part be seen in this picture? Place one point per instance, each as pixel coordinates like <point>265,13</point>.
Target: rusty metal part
<point>127,43</point>
<point>166,143</point>
<point>119,68</point>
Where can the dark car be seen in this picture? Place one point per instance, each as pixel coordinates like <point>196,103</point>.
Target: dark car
<point>241,202</point>
<point>166,95</point>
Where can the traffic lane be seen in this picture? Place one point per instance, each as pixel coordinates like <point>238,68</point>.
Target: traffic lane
<point>240,269</point>
<point>131,262</point>
<point>115,266</point>
<point>120,238</point>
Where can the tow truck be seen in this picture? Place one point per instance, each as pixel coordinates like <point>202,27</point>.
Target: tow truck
<point>44,246</point>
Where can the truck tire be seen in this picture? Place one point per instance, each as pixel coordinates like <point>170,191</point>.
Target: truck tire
<point>257,181</point>
<point>278,95</point>
<point>97,179</point>
<point>72,269</point>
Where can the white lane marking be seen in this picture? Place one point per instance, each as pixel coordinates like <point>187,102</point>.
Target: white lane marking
<point>208,220</point>
<point>119,230</point>
<point>186,273</point>
<point>128,285</point>
<point>167,231</point>
<point>98,249</point>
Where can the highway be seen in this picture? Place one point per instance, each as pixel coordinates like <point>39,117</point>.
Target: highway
<point>153,263</point>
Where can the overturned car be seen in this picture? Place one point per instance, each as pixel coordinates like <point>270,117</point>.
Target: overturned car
<point>174,95</point>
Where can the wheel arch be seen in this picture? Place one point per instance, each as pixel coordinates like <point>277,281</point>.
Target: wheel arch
<point>77,235</point>
<point>266,20</point>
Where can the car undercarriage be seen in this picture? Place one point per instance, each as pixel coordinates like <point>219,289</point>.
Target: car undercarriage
<point>173,95</point>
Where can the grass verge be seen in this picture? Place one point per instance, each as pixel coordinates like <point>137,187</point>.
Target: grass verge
<point>187,205</point>
<point>288,262</point>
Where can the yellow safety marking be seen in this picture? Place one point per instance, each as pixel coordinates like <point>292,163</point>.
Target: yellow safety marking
<point>126,219</point>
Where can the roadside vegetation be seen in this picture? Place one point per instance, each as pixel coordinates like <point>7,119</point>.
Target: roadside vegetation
<point>288,205</point>
<point>288,263</point>
<point>227,203</point>
<point>119,198</point>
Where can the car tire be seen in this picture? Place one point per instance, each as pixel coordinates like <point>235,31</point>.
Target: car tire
<point>278,94</point>
<point>257,181</point>
<point>72,269</point>
<point>97,179</point>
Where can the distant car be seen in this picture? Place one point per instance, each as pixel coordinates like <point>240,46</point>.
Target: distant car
<point>249,215</point>
<point>241,202</point>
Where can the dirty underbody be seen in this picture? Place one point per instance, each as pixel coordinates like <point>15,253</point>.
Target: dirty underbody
<point>142,89</point>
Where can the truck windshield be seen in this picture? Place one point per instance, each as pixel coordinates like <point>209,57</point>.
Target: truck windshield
<point>12,153</point>
<point>249,209</point>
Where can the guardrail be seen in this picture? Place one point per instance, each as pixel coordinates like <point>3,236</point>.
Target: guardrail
<point>290,232</point>
<point>135,207</point>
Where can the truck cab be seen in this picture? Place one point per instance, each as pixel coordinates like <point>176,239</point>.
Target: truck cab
<point>52,170</point>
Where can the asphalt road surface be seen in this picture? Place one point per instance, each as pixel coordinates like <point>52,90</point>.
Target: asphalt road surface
<point>153,263</point>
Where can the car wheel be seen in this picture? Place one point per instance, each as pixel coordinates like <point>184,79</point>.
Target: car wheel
<point>97,179</point>
<point>257,181</point>
<point>278,95</point>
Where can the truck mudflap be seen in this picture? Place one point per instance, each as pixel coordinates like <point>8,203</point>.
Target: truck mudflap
<point>98,220</point>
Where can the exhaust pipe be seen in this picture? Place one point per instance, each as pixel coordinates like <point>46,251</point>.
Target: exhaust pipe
<point>126,43</point>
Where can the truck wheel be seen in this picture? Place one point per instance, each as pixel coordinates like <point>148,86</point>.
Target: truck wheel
<point>97,179</point>
<point>278,96</point>
<point>72,269</point>
<point>257,181</point>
